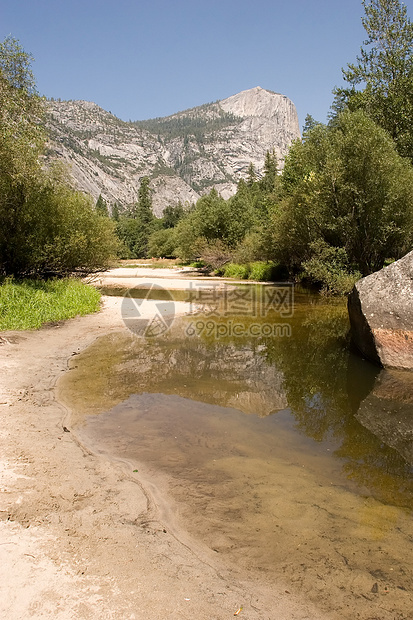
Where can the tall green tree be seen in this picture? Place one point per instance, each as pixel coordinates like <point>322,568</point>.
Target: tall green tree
<point>270,178</point>
<point>45,227</point>
<point>381,81</point>
<point>172,214</point>
<point>135,228</point>
<point>349,197</point>
<point>143,210</point>
<point>101,207</point>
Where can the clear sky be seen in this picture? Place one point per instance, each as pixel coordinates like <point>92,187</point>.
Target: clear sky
<point>145,58</point>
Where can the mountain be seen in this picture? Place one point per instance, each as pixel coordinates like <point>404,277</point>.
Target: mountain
<point>185,154</point>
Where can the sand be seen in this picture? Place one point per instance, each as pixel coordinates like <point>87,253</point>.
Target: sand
<point>82,536</point>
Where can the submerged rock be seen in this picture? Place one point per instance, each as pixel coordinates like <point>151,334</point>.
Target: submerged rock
<point>380,309</point>
<point>388,411</point>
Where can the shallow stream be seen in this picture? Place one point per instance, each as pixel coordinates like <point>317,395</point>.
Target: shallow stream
<point>277,446</point>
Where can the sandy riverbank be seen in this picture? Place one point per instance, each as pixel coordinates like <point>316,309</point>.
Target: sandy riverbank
<point>82,537</point>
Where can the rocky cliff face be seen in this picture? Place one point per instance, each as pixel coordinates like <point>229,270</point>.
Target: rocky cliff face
<point>185,154</point>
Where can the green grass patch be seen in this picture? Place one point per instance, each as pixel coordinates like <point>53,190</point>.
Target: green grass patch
<point>28,304</point>
<point>239,272</point>
<point>258,271</point>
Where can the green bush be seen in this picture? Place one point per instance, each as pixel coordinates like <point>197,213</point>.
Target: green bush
<point>261,272</point>
<point>239,272</point>
<point>258,271</point>
<point>329,269</point>
<point>162,243</point>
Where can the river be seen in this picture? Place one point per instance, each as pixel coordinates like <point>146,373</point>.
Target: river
<point>273,442</point>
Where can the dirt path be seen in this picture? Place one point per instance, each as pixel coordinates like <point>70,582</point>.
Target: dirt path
<point>80,536</point>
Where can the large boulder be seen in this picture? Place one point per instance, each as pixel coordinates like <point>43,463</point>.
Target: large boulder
<point>380,309</point>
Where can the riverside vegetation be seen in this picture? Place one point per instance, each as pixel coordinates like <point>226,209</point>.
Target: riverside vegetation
<point>341,208</point>
<point>47,230</point>
<point>343,204</point>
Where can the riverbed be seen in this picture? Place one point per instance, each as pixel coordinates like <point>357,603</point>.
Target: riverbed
<point>263,436</point>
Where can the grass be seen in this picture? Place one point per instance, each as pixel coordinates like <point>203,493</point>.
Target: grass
<point>29,304</point>
<point>258,271</point>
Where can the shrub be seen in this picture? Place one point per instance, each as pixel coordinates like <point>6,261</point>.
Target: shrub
<point>329,269</point>
<point>162,243</point>
<point>261,272</point>
<point>234,270</point>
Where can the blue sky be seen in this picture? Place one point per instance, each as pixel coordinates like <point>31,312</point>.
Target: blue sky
<point>146,58</point>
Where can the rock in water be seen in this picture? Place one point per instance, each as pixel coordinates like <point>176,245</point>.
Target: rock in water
<point>380,309</point>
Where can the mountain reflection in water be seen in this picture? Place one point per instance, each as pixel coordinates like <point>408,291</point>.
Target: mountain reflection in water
<point>328,390</point>
<point>290,455</point>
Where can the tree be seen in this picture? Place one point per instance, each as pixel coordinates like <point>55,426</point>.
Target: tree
<point>101,207</point>
<point>251,175</point>
<point>15,66</point>
<point>45,227</point>
<point>161,243</point>
<point>348,189</point>
<point>385,69</point>
<point>172,214</point>
<point>309,123</point>
<point>115,212</point>
<point>270,178</point>
<point>143,210</point>
<point>135,228</point>
<point>21,114</point>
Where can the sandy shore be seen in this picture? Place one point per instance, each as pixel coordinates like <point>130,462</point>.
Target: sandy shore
<point>82,536</point>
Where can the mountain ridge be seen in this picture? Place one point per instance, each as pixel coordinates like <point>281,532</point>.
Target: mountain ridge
<point>185,154</point>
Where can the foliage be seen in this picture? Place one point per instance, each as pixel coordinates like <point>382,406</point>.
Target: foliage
<point>385,70</point>
<point>212,219</point>
<point>329,268</point>
<point>53,230</point>
<point>45,227</point>
<point>234,270</point>
<point>28,304</point>
<point>270,179</point>
<point>21,112</point>
<point>101,207</point>
<point>258,271</point>
<point>262,272</point>
<point>172,214</point>
<point>347,187</point>
<point>115,212</point>
<point>135,228</point>
<point>162,243</point>
<point>252,247</point>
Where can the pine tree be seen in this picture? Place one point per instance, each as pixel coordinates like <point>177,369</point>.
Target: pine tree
<point>269,180</point>
<point>101,207</point>
<point>251,175</point>
<point>385,67</point>
<point>115,212</point>
<point>144,207</point>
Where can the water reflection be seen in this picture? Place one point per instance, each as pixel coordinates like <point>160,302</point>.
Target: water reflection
<point>290,455</point>
<point>331,393</point>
